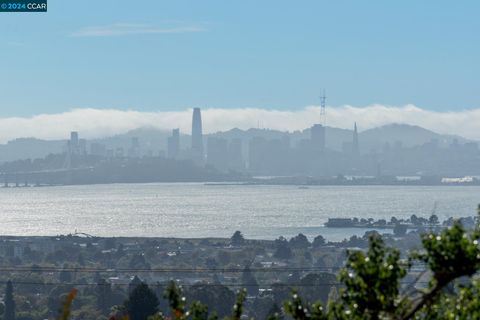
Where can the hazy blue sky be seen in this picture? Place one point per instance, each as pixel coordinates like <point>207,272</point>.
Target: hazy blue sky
<point>169,55</point>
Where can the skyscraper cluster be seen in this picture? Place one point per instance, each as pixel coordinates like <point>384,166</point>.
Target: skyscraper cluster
<point>254,151</point>
<point>263,156</point>
<point>75,145</point>
<point>220,153</point>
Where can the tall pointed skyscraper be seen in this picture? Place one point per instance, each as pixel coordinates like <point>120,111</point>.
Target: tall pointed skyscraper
<point>197,137</point>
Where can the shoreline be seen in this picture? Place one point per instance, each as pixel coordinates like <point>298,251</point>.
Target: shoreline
<point>304,186</point>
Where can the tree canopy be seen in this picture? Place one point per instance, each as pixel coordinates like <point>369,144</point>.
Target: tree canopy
<point>141,303</point>
<point>9,302</point>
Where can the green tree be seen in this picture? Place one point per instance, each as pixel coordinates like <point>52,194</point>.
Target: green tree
<point>237,239</point>
<point>372,282</point>
<point>275,312</point>
<point>299,241</point>
<point>178,306</point>
<point>142,303</point>
<point>103,293</point>
<point>218,297</point>
<point>302,310</point>
<point>132,285</point>
<point>249,281</point>
<point>316,286</point>
<point>282,249</point>
<point>400,230</point>
<point>9,302</point>
<point>433,219</point>
<point>318,241</point>
<point>65,275</point>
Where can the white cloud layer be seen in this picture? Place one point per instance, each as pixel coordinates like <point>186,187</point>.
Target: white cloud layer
<point>97,123</point>
<point>125,29</point>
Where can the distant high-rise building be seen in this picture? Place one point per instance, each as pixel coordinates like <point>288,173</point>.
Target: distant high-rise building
<point>134,150</point>
<point>256,154</point>
<point>269,157</point>
<point>317,136</point>
<point>355,146</point>
<point>110,153</point>
<point>197,137</point>
<point>119,152</point>
<point>173,144</point>
<point>74,138</point>
<point>73,144</point>
<point>98,149</point>
<point>82,146</point>
<point>217,153</point>
<point>235,156</point>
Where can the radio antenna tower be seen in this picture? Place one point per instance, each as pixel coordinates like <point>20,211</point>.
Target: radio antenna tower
<point>323,115</point>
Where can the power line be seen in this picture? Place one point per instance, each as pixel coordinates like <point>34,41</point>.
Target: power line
<point>271,285</point>
<point>35,269</point>
<point>158,270</point>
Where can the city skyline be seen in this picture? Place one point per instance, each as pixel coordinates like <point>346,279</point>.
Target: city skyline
<point>384,155</point>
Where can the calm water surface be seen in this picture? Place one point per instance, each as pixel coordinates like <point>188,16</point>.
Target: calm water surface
<point>198,210</point>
